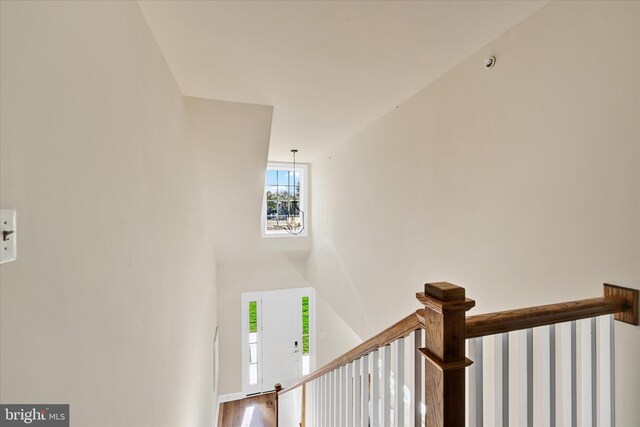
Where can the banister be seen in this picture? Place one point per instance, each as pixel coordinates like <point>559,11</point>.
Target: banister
<point>623,302</point>
<point>399,329</point>
<point>447,327</point>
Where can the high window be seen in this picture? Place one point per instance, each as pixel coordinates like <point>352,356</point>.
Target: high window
<point>283,186</point>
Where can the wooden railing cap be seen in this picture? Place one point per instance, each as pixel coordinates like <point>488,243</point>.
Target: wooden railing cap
<point>444,291</point>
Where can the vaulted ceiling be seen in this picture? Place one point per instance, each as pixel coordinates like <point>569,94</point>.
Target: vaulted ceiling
<point>329,68</point>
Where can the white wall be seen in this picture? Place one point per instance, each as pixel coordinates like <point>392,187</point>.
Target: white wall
<point>111,304</point>
<point>521,184</point>
<point>234,147</point>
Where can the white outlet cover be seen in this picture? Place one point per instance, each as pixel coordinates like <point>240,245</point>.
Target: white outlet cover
<point>8,246</point>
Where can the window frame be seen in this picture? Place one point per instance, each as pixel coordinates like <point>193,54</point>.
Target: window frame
<point>303,170</point>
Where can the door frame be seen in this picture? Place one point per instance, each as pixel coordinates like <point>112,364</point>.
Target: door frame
<point>245,298</point>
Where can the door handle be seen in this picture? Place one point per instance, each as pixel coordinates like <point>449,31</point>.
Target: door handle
<point>295,346</point>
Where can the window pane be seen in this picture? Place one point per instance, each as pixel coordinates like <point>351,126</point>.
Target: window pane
<point>283,208</point>
<point>253,337</point>
<point>305,344</point>
<point>271,209</point>
<point>253,374</point>
<point>272,177</point>
<point>305,325</point>
<point>253,353</point>
<point>306,362</point>
<point>253,316</point>
<point>284,178</point>
<point>305,315</point>
<point>284,192</point>
<point>271,191</point>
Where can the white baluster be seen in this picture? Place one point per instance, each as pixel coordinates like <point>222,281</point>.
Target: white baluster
<point>548,376</point>
<point>338,398</point>
<point>326,401</point>
<point>501,388</point>
<point>320,402</point>
<point>386,399</point>
<point>365,389</point>
<point>588,372</point>
<point>525,380</point>
<point>329,402</point>
<point>399,383</point>
<point>606,372</point>
<point>348,417</point>
<point>319,395</point>
<point>341,397</point>
<point>569,391</point>
<point>357,397</point>
<point>316,404</point>
<point>476,397</point>
<point>323,401</point>
<point>346,381</point>
<point>335,408</point>
<point>375,389</point>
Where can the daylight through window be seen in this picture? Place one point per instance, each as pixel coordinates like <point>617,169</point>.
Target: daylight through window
<point>282,187</point>
<point>253,342</point>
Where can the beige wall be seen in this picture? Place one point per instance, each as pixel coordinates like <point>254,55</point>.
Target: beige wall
<point>521,183</point>
<point>234,148</point>
<point>111,304</point>
<point>128,196</point>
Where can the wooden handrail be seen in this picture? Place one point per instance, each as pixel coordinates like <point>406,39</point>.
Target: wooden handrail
<point>398,330</point>
<point>531,317</point>
<point>447,327</point>
<point>617,300</point>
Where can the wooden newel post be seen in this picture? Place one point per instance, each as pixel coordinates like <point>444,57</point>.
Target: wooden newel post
<point>445,308</point>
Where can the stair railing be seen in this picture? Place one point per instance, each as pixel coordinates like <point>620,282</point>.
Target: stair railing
<point>414,372</point>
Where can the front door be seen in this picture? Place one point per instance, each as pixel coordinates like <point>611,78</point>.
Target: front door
<point>280,349</point>
<point>276,337</point>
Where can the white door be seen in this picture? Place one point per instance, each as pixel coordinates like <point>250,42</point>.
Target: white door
<point>278,337</point>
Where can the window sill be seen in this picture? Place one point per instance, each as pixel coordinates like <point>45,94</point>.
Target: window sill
<point>284,235</point>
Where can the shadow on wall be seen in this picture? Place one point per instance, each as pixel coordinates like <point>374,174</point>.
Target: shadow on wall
<point>325,266</point>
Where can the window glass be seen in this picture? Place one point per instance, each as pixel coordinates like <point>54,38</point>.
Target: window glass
<point>253,342</point>
<point>306,357</point>
<point>305,325</point>
<point>253,317</point>
<point>284,192</point>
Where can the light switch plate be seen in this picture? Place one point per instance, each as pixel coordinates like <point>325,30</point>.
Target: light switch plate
<point>7,235</point>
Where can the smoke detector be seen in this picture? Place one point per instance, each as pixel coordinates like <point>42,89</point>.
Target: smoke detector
<point>489,62</point>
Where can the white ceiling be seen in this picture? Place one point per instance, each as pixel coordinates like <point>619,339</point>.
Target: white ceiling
<point>328,68</point>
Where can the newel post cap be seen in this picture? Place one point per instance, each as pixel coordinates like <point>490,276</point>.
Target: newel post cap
<point>444,296</point>
<point>444,291</point>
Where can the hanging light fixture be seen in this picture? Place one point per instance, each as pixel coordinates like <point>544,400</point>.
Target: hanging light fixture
<point>295,217</point>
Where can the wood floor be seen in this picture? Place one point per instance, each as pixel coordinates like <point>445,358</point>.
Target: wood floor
<point>255,411</point>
